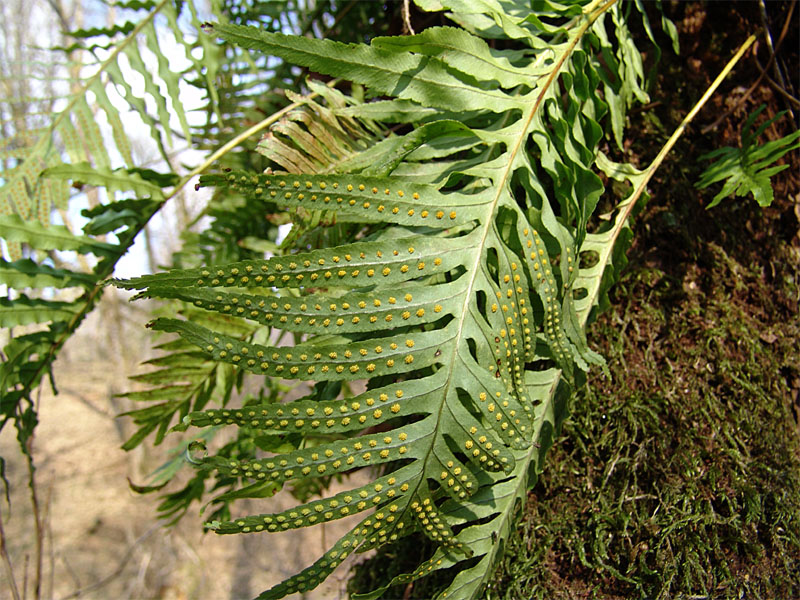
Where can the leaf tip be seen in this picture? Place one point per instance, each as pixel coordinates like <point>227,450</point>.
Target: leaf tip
<point>212,525</point>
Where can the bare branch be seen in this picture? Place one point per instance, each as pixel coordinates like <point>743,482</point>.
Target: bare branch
<point>7,562</point>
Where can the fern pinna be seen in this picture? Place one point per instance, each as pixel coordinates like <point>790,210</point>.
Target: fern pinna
<point>460,298</point>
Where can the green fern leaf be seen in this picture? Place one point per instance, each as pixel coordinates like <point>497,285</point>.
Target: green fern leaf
<point>23,192</point>
<point>91,135</point>
<point>120,180</point>
<point>747,170</point>
<point>25,311</point>
<point>469,55</point>
<point>185,380</point>
<point>39,163</point>
<point>168,76</point>
<point>114,119</point>
<point>55,237</point>
<point>27,274</point>
<point>462,302</point>
<point>401,74</point>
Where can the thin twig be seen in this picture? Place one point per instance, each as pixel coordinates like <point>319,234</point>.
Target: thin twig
<point>37,517</point>
<point>627,207</point>
<point>747,94</point>
<point>12,583</point>
<point>48,529</point>
<point>781,83</point>
<point>776,86</point>
<point>75,579</point>
<point>768,35</point>
<point>407,18</point>
<point>120,567</point>
<point>25,577</point>
<point>238,140</point>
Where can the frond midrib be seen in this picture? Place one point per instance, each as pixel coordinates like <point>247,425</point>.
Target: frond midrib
<point>522,466</point>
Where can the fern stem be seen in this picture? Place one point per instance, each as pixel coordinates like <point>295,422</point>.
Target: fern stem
<point>238,140</point>
<point>692,113</point>
<point>230,145</point>
<point>631,202</point>
<point>591,6</point>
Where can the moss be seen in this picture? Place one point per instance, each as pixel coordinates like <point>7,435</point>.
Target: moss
<point>680,477</point>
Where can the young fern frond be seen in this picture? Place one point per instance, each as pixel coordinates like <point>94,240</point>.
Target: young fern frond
<point>457,301</point>
<point>747,170</point>
<point>39,180</point>
<point>315,138</point>
<point>185,380</point>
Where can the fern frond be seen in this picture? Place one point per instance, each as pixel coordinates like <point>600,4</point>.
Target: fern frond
<point>747,170</point>
<point>457,300</point>
<point>28,274</point>
<point>314,138</point>
<point>25,311</point>
<point>403,75</point>
<point>185,380</point>
<point>54,237</point>
<point>36,177</point>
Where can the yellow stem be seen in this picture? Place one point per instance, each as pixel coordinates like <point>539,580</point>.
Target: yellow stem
<point>236,141</point>
<point>653,167</point>
<point>696,109</point>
